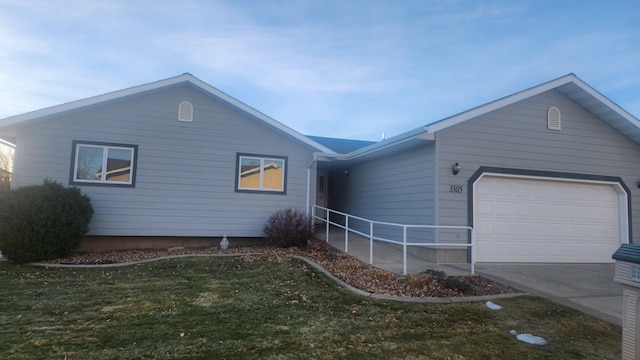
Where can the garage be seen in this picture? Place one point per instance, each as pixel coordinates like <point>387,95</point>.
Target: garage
<point>540,220</point>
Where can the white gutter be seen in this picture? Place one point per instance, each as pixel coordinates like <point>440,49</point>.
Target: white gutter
<point>5,142</point>
<point>307,207</point>
<point>421,132</point>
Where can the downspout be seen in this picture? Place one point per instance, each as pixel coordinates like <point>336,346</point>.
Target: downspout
<point>315,159</point>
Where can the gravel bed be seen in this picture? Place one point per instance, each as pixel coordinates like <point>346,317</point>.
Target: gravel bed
<point>345,267</point>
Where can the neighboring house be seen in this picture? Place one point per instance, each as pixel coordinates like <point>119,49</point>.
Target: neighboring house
<point>166,163</point>
<point>549,174</point>
<point>271,174</point>
<point>6,160</point>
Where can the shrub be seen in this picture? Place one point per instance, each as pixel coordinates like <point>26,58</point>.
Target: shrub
<point>455,284</point>
<point>42,222</point>
<point>435,273</point>
<point>449,282</point>
<point>289,227</point>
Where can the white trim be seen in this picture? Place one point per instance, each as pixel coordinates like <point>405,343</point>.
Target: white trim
<point>426,132</point>
<point>5,142</point>
<point>603,99</point>
<point>136,90</point>
<point>308,202</point>
<point>505,101</point>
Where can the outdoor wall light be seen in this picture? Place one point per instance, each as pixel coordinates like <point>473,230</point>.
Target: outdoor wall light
<point>638,184</point>
<point>456,168</point>
<point>346,172</point>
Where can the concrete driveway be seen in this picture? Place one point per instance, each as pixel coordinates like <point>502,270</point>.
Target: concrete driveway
<point>586,287</point>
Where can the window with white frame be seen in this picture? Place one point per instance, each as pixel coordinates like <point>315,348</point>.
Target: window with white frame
<point>103,164</point>
<point>262,173</point>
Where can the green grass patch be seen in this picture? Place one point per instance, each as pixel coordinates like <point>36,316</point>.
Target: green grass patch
<point>229,308</point>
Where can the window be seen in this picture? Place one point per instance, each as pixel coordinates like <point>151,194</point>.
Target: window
<point>261,173</point>
<point>103,164</point>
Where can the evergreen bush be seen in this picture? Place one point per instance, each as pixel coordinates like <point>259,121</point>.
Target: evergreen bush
<point>42,222</point>
<point>288,228</point>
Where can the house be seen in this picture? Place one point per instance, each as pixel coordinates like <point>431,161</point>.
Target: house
<point>548,174</point>
<point>6,160</point>
<point>173,162</point>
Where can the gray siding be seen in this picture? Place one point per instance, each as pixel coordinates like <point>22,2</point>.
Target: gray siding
<point>516,137</point>
<point>185,183</point>
<point>398,188</point>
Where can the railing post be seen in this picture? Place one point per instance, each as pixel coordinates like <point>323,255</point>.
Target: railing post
<point>326,214</point>
<point>346,233</point>
<point>405,243</point>
<point>370,242</point>
<point>404,250</point>
<point>473,251</point>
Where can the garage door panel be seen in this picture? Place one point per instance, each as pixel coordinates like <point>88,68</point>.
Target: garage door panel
<point>508,228</point>
<point>535,220</point>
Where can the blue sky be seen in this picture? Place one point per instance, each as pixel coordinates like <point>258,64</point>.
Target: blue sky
<point>334,68</point>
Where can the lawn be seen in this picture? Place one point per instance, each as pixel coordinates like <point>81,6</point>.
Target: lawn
<point>251,308</point>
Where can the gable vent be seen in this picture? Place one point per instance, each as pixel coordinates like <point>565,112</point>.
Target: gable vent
<point>553,118</point>
<point>185,112</point>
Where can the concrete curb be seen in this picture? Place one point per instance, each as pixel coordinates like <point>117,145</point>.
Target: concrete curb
<point>446,300</point>
<point>89,266</point>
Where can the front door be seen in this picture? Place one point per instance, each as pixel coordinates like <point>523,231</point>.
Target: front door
<point>322,185</point>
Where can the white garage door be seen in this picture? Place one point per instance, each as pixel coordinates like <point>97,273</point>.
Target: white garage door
<point>530,220</point>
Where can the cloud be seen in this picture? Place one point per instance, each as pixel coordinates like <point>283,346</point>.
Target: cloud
<point>345,68</point>
<point>283,60</point>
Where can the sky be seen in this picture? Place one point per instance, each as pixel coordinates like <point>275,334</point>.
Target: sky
<point>336,68</point>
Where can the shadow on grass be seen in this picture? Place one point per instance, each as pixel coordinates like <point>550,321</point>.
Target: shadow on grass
<point>232,308</point>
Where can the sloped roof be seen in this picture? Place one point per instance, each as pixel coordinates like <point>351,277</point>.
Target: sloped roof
<point>186,78</point>
<point>7,143</point>
<point>341,146</point>
<point>569,85</point>
<point>628,252</point>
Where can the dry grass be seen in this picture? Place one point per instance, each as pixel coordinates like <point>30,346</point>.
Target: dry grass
<point>251,308</point>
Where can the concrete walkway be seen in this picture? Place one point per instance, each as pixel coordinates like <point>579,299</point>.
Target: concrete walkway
<point>388,256</point>
<point>586,287</point>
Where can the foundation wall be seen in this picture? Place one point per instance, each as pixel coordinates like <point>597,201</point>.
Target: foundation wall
<point>101,243</point>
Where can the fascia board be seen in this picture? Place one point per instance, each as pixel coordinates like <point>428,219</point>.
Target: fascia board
<point>7,143</point>
<point>73,105</point>
<point>392,141</point>
<point>500,103</point>
<point>251,111</point>
<point>57,109</point>
<point>607,102</point>
<point>522,95</point>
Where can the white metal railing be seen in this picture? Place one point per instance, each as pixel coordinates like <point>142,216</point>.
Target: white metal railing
<point>404,227</point>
